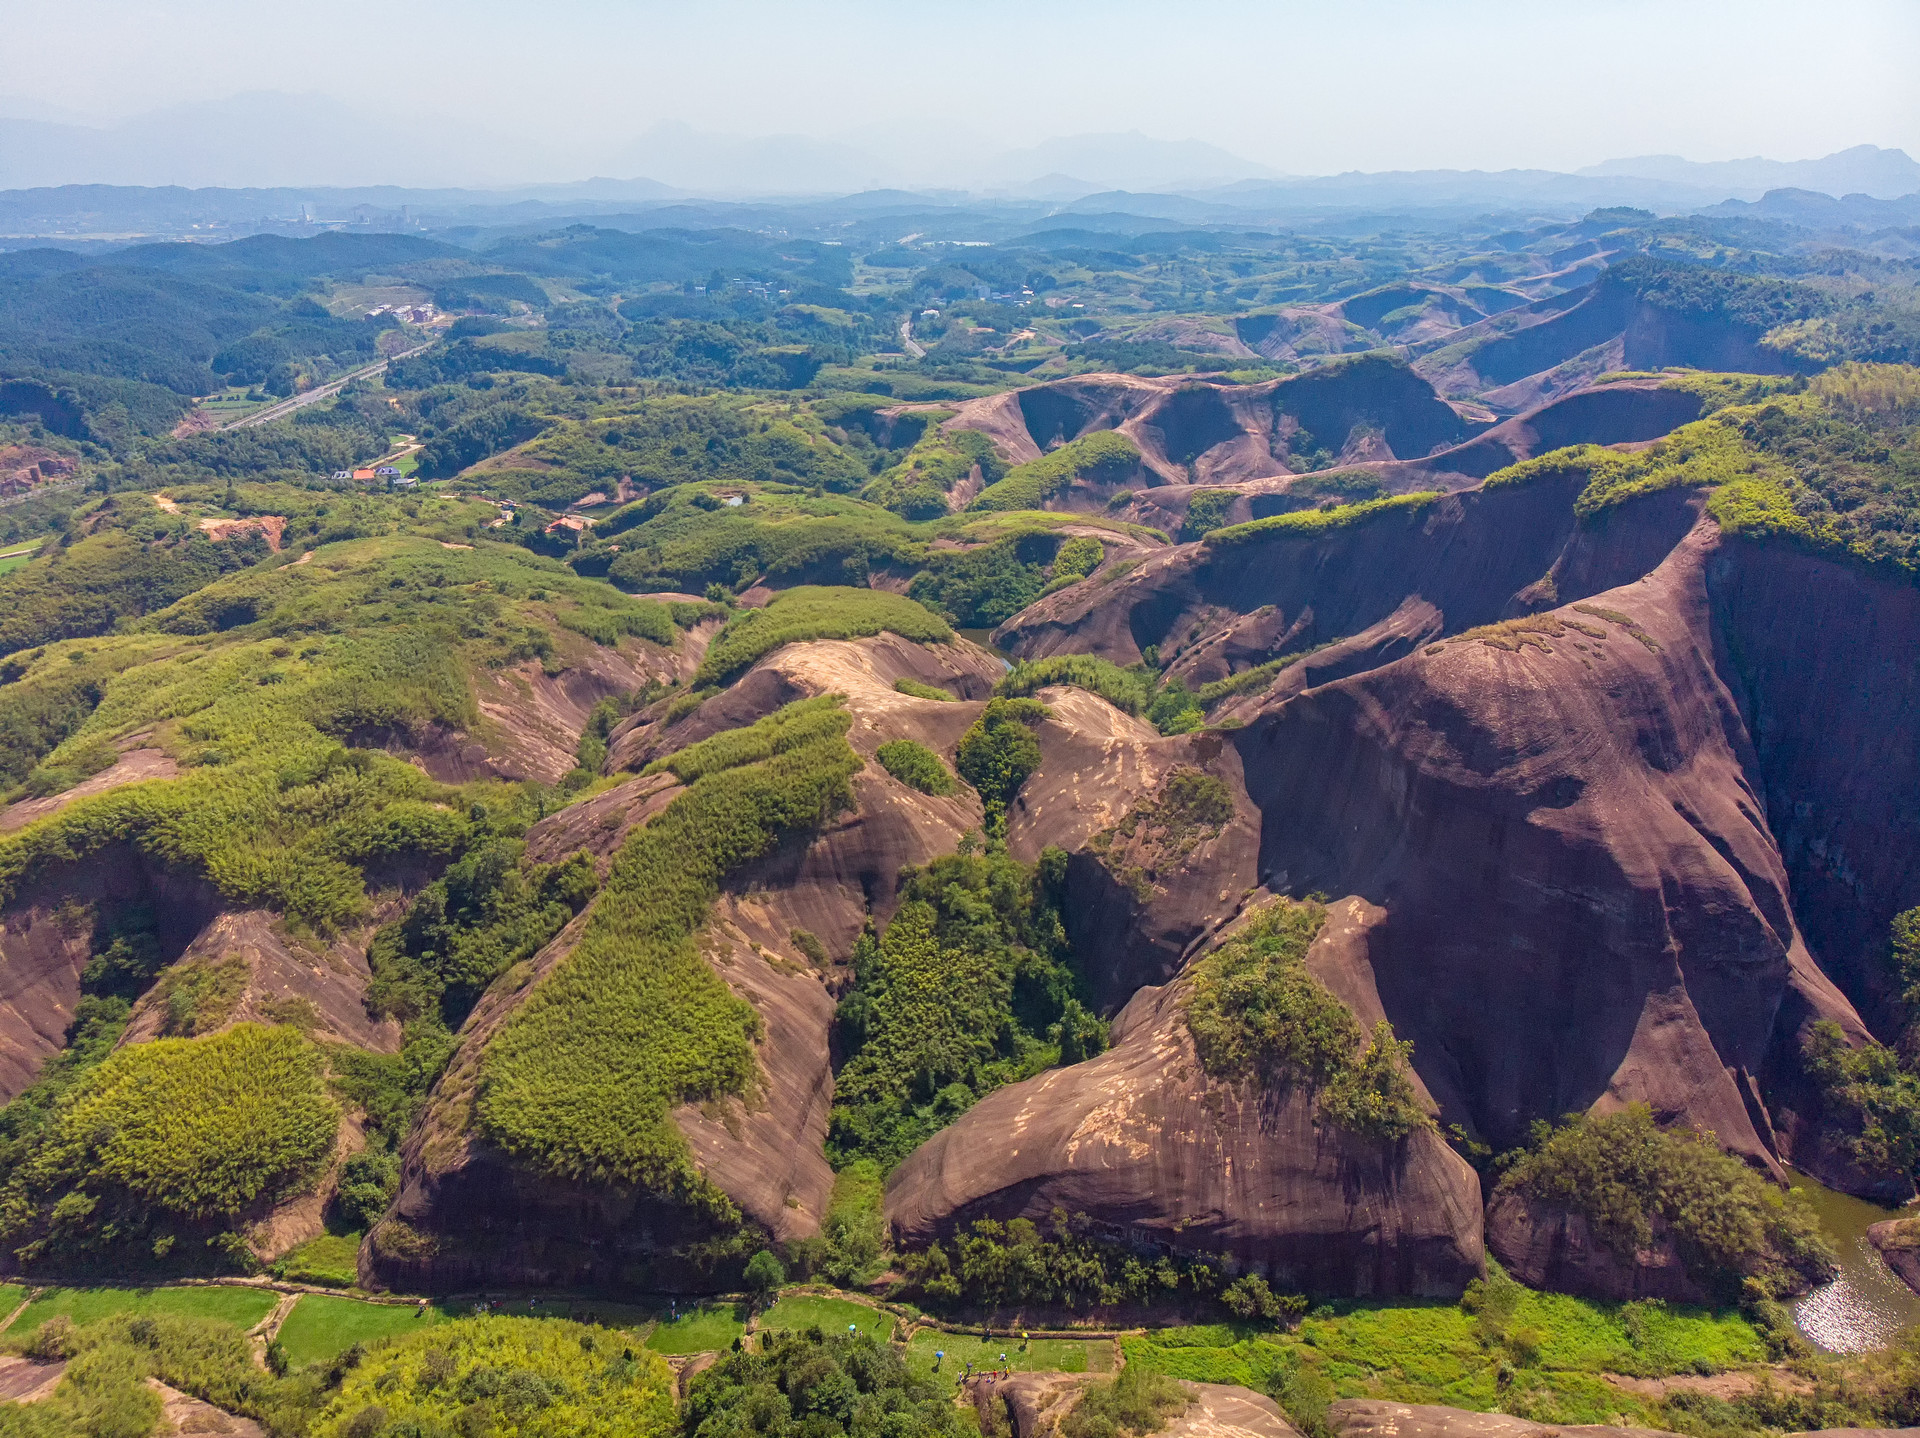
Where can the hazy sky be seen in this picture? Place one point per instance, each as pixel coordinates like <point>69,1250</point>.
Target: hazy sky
<point>1305,88</point>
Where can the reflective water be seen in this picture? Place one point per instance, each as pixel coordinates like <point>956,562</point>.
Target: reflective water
<point>1868,1303</point>
<point>981,637</point>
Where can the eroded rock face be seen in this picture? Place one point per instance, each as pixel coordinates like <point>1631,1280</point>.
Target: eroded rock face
<point>1550,1248</point>
<point>322,989</point>
<point>47,936</point>
<point>1584,905</point>
<point>1377,1418</point>
<point>1144,1142</point>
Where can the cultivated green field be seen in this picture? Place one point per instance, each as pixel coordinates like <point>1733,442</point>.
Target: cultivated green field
<point>1041,1355</point>
<point>322,1327</point>
<point>831,1315</point>
<point>697,1330</point>
<point>242,1307</point>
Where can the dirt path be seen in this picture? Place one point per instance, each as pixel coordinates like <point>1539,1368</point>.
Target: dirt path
<point>19,1309</point>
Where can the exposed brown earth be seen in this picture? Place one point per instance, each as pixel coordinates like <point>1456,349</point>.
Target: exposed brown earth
<point>1377,1418</point>
<point>133,766</point>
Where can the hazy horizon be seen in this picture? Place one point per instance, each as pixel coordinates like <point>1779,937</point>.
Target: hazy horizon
<point>489,95</point>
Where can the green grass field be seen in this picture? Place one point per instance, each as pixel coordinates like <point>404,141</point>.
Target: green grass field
<point>697,1330</point>
<point>331,1261</point>
<point>10,1296</point>
<point>1415,1352</point>
<point>242,1307</point>
<point>802,1311</point>
<point>1042,1355</point>
<point>321,1327</point>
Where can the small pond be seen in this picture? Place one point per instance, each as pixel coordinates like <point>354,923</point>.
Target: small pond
<point>1867,1304</point>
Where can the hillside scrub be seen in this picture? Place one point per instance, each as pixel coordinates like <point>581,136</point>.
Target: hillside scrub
<point>985,586</point>
<point>168,1139</point>
<point>274,688</point>
<point>1257,1014</point>
<point>675,439</point>
<point>536,1378</point>
<point>971,986</point>
<point>580,1080</point>
<point>916,766</point>
<point>1170,707</point>
<point>1874,1097</point>
<point>1134,1401</point>
<point>914,687</point>
<point>989,1265</point>
<point>1308,523</point>
<point>1160,831</point>
<point>1834,469</point>
<point>688,537</point>
<point>1248,680</point>
<point>1128,690</point>
<point>1622,1172</point>
<point>487,912</point>
<point>917,488</point>
<point>821,1385</point>
<point>998,752</point>
<point>794,726</point>
<point>1106,457</point>
<point>797,615</point>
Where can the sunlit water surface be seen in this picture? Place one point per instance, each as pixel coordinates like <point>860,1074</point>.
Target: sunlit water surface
<point>1868,1303</point>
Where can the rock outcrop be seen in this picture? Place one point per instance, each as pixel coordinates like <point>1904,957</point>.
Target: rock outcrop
<point>1378,1418</point>
<point>1146,1144</point>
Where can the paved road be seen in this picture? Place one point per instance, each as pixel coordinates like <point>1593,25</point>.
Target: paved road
<point>908,342</point>
<point>317,393</point>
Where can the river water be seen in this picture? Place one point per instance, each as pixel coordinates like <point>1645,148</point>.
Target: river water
<point>1868,1303</point>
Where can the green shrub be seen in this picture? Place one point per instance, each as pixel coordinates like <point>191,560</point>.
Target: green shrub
<point>537,1378</point>
<point>1254,1010</point>
<point>1129,690</point>
<point>1871,1097</point>
<point>797,615</point>
<point>804,722</point>
<point>104,1394</point>
<point>175,1131</point>
<point>989,1264</point>
<point>998,752</point>
<point>1078,558</point>
<point>1621,1171</point>
<point>922,691</point>
<point>197,998</point>
<point>917,488</point>
<point>1248,680</point>
<point>985,586</point>
<point>1206,512</point>
<point>579,1082</point>
<point>916,766</point>
<point>485,914</point>
<point>1106,457</point>
<point>1309,523</point>
<point>971,987</point>
<point>1256,1013</point>
<point>821,1385</point>
<point>1133,1401</point>
<point>1372,1094</point>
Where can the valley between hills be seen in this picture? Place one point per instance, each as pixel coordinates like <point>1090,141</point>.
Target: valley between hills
<point>1318,838</point>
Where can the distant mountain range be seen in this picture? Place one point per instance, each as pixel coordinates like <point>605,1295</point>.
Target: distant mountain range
<point>279,162</point>
<point>273,140</point>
